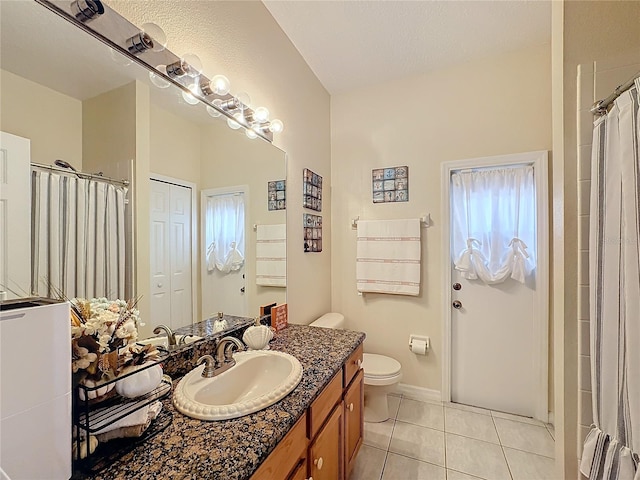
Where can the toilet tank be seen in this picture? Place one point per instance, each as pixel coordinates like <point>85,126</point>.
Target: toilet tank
<point>329,320</point>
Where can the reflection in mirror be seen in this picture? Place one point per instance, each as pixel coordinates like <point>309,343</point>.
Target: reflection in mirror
<point>76,100</point>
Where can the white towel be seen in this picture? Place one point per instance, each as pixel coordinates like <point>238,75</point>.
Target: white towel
<point>139,417</point>
<point>271,255</point>
<point>388,256</point>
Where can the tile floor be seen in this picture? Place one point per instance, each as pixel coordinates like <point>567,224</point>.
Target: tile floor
<point>436,441</point>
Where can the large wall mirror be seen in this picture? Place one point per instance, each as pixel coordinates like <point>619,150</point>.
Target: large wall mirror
<point>77,100</point>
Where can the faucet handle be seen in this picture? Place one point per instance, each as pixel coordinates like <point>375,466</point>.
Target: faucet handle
<point>209,365</point>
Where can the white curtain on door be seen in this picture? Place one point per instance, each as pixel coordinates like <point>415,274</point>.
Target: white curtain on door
<point>494,223</point>
<point>78,236</point>
<point>224,232</point>
<point>612,447</point>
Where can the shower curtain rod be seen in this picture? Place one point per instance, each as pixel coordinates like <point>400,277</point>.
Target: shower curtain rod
<point>89,176</point>
<point>601,106</point>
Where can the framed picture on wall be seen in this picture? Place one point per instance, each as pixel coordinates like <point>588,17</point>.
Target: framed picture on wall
<point>311,190</point>
<point>312,232</point>
<point>390,184</point>
<point>276,194</point>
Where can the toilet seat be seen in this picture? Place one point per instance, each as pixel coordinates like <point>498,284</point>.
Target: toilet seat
<point>380,369</point>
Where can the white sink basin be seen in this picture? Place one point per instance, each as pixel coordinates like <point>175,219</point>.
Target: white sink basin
<point>258,379</point>
<point>164,341</point>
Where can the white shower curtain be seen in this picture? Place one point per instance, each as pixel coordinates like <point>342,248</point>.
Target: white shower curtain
<point>494,223</point>
<point>78,235</point>
<point>612,447</point>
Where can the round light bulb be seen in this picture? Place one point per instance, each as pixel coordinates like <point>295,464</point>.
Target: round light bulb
<point>213,112</point>
<point>195,64</point>
<point>244,99</point>
<point>276,125</point>
<point>234,124</point>
<point>157,34</point>
<point>189,96</point>
<point>220,85</point>
<point>157,80</point>
<point>261,115</point>
<point>251,133</point>
<point>119,58</point>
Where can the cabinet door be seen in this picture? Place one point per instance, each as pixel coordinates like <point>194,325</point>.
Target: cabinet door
<point>353,420</point>
<point>326,455</point>
<point>300,473</point>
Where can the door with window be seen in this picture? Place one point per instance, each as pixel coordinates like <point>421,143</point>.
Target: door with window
<point>171,255</point>
<point>496,291</point>
<point>224,269</point>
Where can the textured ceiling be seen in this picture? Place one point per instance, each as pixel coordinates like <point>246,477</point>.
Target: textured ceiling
<point>350,44</point>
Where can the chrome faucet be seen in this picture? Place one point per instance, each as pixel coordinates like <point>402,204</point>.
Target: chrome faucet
<point>171,337</point>
<point>209,366</point>
<point>223,360</point>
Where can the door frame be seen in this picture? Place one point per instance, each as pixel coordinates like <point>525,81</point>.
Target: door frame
<point>539,160</point>
<point>194,236</point>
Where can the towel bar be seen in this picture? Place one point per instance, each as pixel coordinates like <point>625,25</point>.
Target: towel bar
<point>425,221</point>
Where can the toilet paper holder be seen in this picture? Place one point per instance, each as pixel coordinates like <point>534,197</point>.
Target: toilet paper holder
<point>419,338</point>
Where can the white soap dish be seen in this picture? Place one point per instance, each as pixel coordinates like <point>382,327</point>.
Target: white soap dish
<point>257,337</point>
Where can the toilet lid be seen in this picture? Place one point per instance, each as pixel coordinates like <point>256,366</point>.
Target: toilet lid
<point>379,365</point>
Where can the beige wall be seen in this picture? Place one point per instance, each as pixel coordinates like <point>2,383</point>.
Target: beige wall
<point>108,137</point>
<point>51,120</point>
<point>175,146</point>
<point>243,41</point>
<point>606,33</point>
<point>495,106</point>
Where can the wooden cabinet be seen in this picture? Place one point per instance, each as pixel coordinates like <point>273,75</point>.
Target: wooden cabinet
<point>290,453</point>
<point>353,421</point>
<point>300,473</point>
<point>352,366</point>
<point>326,454</point>
<point>324,443</point>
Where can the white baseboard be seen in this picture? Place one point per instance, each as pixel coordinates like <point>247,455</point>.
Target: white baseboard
<point>418,393</point>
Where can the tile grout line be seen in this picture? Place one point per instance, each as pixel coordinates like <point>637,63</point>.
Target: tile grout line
<point>504,455</point>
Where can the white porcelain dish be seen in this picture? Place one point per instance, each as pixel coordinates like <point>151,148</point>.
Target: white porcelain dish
<point>257,337</point>
<point>259,379</point>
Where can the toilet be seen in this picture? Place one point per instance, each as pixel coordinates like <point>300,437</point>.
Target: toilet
<point>381,374</point>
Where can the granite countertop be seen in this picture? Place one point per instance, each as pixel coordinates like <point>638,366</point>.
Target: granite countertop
<point>234,449</point>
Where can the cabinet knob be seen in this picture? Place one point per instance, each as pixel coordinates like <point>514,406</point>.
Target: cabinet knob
<point>351,407</point>
<point>159,285</point>
<point>318,463</point>
<point>359,363</point>
<point>310,478</point>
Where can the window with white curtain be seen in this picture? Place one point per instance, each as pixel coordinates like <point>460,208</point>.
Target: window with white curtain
<point>494,223</point>
<point>224,232</point>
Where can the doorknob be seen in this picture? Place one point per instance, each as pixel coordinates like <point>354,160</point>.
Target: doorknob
<point>457,304</point>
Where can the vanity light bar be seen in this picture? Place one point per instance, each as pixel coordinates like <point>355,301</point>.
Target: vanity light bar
<point>121,35</point>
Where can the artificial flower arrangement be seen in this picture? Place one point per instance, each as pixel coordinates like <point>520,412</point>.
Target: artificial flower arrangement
<point>103,343</point>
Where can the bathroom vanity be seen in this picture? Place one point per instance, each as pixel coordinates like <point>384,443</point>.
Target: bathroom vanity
<point>315,431</point>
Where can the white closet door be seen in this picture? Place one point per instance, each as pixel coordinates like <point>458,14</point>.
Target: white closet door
<point>180,257</point>
<point>170,253</point>
<point>159,251</point>
<point>15,216</point>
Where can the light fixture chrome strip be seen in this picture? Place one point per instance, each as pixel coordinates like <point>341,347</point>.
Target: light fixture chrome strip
<point>111,25</point>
